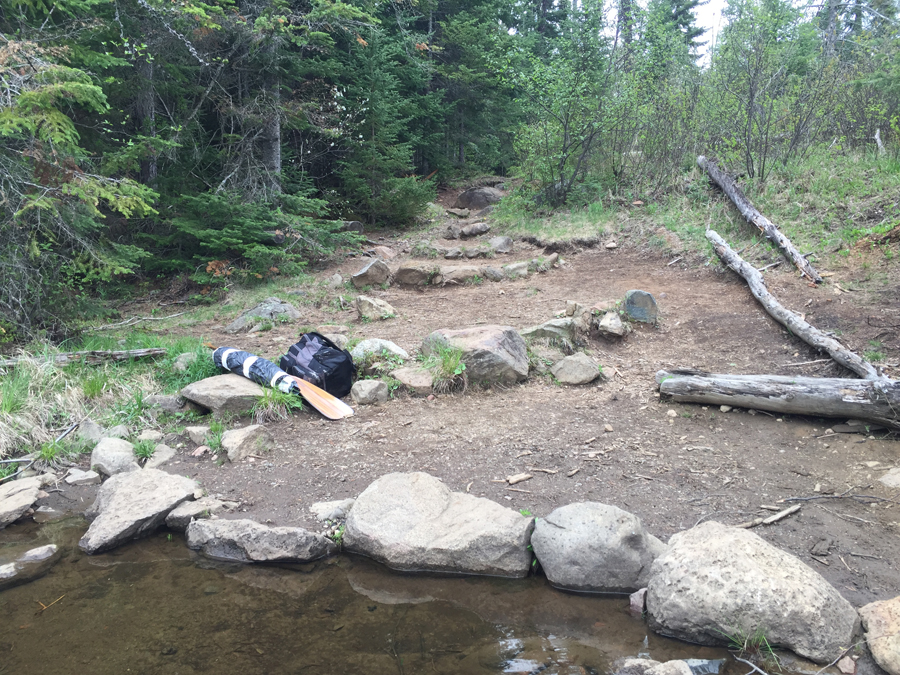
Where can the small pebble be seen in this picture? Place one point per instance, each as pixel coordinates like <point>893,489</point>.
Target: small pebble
<point>671,413</point>
<point>725,408</point>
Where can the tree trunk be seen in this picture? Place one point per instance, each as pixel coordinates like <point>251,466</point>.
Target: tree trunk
<point>145,118</point>
<point>791,320</point>
<point>754,217</point>
<point>92,358</point>
<point>830,28</point>
<point>270,143</point>
<point>874,400</point>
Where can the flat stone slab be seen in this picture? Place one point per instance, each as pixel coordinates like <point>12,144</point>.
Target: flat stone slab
<point>419,381</point>
<point>716,580</point>
<point>132,505</point>
<point>205,507</point>
<point>565,330</point>
<point>79,477</point>
<point>224,393</point>
<point>249,440</point>
<point>575,369</point>
<point>27,566</point>
<point>590,546</point>
<point>247,541</point>
<point>413,522</point>
<point>376,346</point>
<point>17,496</point>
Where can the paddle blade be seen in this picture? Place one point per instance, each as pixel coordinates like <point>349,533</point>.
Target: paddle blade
<point>332,407</point>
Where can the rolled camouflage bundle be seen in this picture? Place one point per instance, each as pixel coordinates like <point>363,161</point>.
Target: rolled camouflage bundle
<point>256,368</point>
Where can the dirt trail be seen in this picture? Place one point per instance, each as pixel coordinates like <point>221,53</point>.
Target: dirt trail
<point>673,465</point>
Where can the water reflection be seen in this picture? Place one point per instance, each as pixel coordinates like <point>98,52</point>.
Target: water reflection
<point>154,607</point>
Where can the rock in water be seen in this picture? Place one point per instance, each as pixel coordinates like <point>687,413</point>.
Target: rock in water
<point>641,306</point>
<point>132,505</point>
<point>492,354</point>
<point>413,522</point>
<point>224,393</point>
<point>716,580</point>
<point>882,623</point>
<point>247,541</point>
<point>576,369</point>
<point>373,273</point>
<point>595,547</point>
<point>205,507</point>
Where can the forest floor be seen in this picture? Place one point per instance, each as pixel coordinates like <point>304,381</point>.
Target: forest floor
<point>673,465</point>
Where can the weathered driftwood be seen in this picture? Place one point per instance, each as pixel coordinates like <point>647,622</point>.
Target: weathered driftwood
<point>791,320</point>
<point>754,217</point>
<point>874,400</point>
<point>92,357</point>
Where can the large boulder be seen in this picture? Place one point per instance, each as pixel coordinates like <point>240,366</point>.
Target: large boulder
<point>501,244</point>
<point>492,354</point>
<point>17,496</point>
<point>373,273</point>
<point>715,581</point>
<point>575,369</point>
<point>224,393</point>
<point>132,505</point>
<point>270,309</point>
<point>112,456</point>
<point>413,522</point>
<point>477,198</point>
<point>595,547</point>
<point>882,623</point>
<point>247,541</point>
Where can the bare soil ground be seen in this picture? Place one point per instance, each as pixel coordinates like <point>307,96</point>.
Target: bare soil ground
<point>673,469</point>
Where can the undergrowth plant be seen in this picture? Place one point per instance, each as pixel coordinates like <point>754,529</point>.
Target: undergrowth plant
<point>214,435</point>
<point>144,450</point>
<point>275,405</point>
<point>447,368</point>
<point>754,646</point>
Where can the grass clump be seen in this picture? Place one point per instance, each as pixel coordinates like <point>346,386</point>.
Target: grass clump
<point>275,405</point>
<point>144,450</point>
<point>447,368</point>
<point>753,646</point>
<point>214,435</point>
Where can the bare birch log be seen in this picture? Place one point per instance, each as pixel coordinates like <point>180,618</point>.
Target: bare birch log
<point>92,358</point>
<point>874,400</point>
<point>791,320</point>
<point>754,217</point>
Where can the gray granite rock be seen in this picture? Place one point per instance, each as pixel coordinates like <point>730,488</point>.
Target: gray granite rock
<point>376,346</point>
<point>28,565</point>
<point>413,522</point>
<point>516,270</point>
<point>197,433</point>
<point>611,325</point>
<point>249,440</point>
<point>414,379</point>
<point>414,274</point>
<point>112,456</point>
<point>162,454</point>
<point>333,510</point>
<point>492,274</point>
<point>881,621</point>
<point>564,330</point>
<point>579,368</point>
<point>183,361</point>
<point>247,541</point>
<point>132,505</point>
<point>224,393</point>
<point>371,308</point>
<point>501,244</point>
<point>270,309</point>
<point>590,546</point>
<point>474,230</point>
<point>205,507</point>
<point>716,580</point>
<point>90,431</point>
<point>492,354</point>
<point>79,477</point>
<point>373,273</point>
<point>368,392</point>
<point>459,274</point>
<point>478,198</point>
<point>17,496</point>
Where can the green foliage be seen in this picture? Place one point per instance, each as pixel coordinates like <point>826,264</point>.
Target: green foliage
<point>447,367</point>
<point>14,390</point>
<point>144,450</point>
<point>275,405</point>
<point>214,435</point>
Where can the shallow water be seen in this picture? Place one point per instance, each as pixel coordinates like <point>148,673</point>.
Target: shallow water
<point>155,607</point>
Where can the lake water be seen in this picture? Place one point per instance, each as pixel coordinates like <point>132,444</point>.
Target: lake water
<point>155,607</point>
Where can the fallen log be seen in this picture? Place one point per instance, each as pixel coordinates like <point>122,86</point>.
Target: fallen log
<point>873,400</point>
<point>91,357</point>
<point>754,217</point>
<point>791,320</point>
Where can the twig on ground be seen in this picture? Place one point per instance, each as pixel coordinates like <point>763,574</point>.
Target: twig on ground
<point>755,668</point>
<point>135,320</point>
<point>771,519</point>
<point>842,517</point>
<point>806,363</point>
